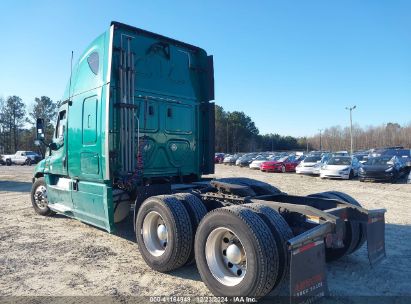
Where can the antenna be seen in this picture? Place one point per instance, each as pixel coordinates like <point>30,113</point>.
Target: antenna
<point>71,74</point>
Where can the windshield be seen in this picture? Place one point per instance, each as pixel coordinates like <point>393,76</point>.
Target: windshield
<point>282,159</point>
<point>379,161</point>
<point>340,161</point>
<point>312,159</point>
<point>361,157</point>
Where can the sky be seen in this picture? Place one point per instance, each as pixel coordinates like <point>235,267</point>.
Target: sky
<point>292,66</point>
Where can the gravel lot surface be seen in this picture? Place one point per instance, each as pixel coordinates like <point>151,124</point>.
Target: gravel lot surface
<point>61,256</point>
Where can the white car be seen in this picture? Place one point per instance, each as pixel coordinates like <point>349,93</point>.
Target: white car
<point>343,167</point>
<point>255,164</point>
<point>310,165</point>
<point>21,158</point>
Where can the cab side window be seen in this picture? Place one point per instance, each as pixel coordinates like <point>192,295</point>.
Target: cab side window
<point>61,125</point>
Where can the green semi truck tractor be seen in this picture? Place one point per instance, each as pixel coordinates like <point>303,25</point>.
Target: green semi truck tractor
<point>135,132</point>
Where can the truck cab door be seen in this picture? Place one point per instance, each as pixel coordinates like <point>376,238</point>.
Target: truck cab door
<point>58,158</point>
<point>58,183</point>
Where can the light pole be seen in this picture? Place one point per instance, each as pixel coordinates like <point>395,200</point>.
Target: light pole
<point>351,109</point>
<point>321,144</point>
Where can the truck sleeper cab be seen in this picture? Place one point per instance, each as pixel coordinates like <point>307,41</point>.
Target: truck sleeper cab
<point>137,128</point>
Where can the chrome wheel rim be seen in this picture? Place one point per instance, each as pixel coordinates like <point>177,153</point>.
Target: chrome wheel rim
<point>226,256</point>
<point>40,197</point>
<point>155,233</point>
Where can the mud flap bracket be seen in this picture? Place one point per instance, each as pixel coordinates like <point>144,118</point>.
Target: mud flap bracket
<point>376,236</point>
<point>308,277</point>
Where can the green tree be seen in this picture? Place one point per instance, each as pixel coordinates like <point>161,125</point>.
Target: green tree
<point>43,107</point>
<point>3,128</point>
<point>221,143</point>
<point>13,117</point>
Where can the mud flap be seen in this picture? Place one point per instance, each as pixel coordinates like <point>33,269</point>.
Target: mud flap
<point>376,237</point>
<point>308,280</point>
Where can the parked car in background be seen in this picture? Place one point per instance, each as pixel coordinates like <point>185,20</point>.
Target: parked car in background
<point>409,178</point>
<point>343,167</point>
<point>390,151</point>
<point>245,160</point>
<point>256,163</point>
<point>361,156</point>
<point>382,168</point>
<point>309,165</point>
<point>325,157</point>
<point>341,153</point>
<point>22,158</point>
<point>283,164</point>
<point>218,158</point>
<point>230,159</point>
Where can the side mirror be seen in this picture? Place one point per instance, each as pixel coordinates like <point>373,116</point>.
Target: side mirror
<point>40,129</point>
<point>53,146</point>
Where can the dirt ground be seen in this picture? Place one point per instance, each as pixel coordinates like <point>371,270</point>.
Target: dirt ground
<point>61,256</point>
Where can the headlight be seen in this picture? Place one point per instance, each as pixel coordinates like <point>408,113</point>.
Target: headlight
<point>362,170</point>
<point>389,169</point>
<point>345,169</point>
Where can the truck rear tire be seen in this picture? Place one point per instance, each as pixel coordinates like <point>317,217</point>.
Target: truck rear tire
<point>164,233</point>
<point>236,253</point>
<point>281,232</point>
<point>196,211</point>
<point>352,232</point>
<point>38,197</point>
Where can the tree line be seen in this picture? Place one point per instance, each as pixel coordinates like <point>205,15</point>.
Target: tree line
<point>18,123</point>
<point>386,135</point>
<point>236,132</point>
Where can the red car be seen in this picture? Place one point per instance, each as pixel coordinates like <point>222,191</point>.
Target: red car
<point>218,158</point>
<point>284,164</point>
